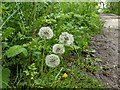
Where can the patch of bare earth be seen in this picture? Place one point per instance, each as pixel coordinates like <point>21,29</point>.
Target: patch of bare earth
<point>106,46</point>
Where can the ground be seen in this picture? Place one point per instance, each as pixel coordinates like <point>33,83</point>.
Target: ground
<point>106,46</point>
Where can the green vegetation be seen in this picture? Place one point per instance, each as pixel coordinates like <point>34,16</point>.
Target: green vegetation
<point>113,7</point>
<point>24,51</point>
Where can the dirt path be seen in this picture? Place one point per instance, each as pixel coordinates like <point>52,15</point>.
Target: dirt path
<point>106,46</point>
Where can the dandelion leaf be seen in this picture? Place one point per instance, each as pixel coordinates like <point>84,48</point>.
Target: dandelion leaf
<point>5,77</point>
<point>15,50</point>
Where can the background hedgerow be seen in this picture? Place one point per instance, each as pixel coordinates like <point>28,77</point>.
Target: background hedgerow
<point>22,47</point>
<point>112,7</point>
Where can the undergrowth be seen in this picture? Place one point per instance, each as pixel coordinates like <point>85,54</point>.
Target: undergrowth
<point>24,51</point>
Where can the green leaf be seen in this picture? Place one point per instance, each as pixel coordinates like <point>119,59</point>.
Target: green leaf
<point>5,77</point>
<point>24,51</point>
<point>0,51</point>
<point>7,32</point>
<point>0,75</point>
<point>15,50</point>
<point>75,47</point>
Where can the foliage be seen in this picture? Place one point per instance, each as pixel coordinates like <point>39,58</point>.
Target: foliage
<point>5,77</point>
<point>15,50</point>
<point>24,51</point>
<point>113,7</point>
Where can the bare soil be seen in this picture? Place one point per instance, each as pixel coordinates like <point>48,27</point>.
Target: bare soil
<point>107,50</point>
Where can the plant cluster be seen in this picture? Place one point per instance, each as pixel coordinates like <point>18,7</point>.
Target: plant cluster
<point>39,36</point>
<point>112,7</point>
<point>53,60</point>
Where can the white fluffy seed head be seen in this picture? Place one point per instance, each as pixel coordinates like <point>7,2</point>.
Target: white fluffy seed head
<point>45,33</point>
<point>66,38</point>
<point>58,49</point>
<point>52,60</point>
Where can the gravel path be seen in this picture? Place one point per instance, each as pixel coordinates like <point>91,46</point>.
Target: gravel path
<point>106,46</point>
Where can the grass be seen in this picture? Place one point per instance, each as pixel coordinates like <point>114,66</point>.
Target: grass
<point>23,49</point>
<point>112,7</point>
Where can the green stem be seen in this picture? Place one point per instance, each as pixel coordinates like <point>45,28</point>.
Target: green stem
<point>45,68</point>
<point>58,73</point>
<point>43,57</point>
<point>33,16</point>
<point>62,60</point>
<point>34,11</point>
<point>19,78</point>
<point>17,75</point>
<point>6,84</point>
<point>78,57</point>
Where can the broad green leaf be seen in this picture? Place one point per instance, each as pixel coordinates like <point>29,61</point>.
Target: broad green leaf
<point>15,50</point>
<point>5,77</point>
<point>0,75</point>
<point>7,32</point>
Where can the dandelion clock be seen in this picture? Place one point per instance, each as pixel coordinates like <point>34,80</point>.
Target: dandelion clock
<point>66,38</point>
<point>58,49</point>
<point>45,33</point>
<point>52,60</point>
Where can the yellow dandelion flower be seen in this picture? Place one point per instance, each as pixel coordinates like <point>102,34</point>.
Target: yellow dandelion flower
<point>65,75</point>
